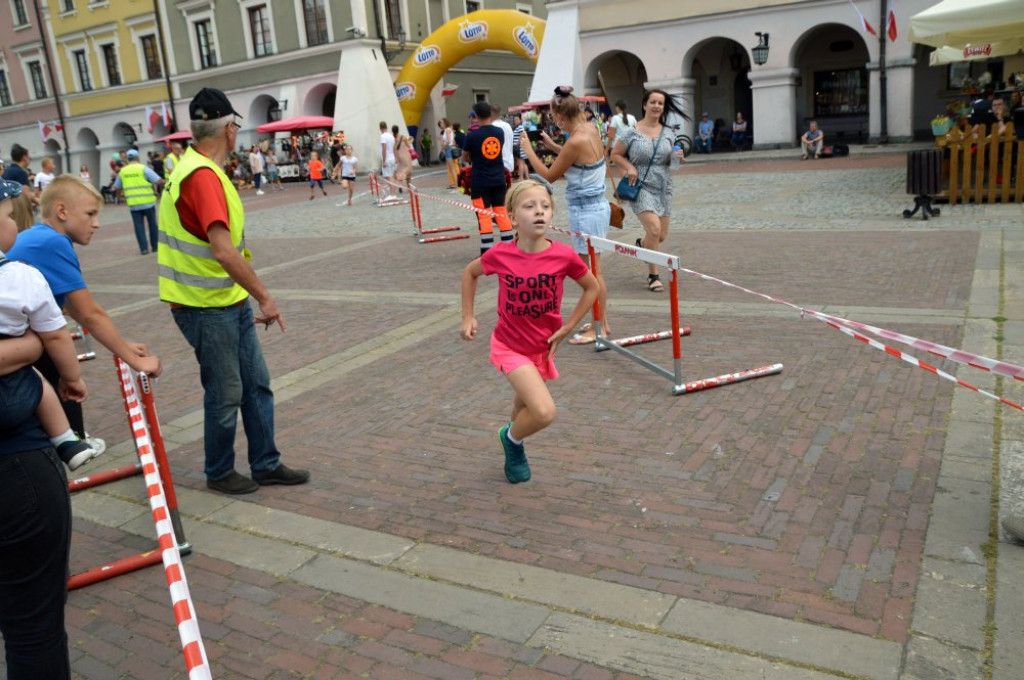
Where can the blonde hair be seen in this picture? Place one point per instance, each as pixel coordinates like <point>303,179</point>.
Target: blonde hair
<point>515,194</point>
<point>22,212</point>
<point>65,189</point>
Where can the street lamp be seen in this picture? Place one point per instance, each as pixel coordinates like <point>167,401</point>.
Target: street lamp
<point>391,54</point>
<point>760,50</point>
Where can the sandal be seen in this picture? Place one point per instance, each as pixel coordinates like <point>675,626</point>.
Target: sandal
<point>654,283</point>
<point>639,243</point>
<point>582,339</point>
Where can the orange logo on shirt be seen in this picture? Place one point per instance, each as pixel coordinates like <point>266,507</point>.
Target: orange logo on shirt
<point>491,148</point>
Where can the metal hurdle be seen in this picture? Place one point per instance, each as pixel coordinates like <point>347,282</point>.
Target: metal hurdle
<point>596,244</point>
<point>142,420</point>
<point>83,334</point>
<point>422,235</point>
<point>375,182</point>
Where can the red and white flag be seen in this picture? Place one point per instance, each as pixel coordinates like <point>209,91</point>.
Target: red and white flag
<point>166,114</point>
<point>448,90</point>
<point>863,22</point>
<point>44,130</point>
<point>152,117</point>
<point>891,28</point>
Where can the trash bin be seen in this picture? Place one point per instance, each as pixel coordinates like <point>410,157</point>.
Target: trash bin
<point>924,178</point>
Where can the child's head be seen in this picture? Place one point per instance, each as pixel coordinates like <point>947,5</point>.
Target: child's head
<point>346,149</point>
<point>314,155</point>
<point>529,202</point>
<point>71,206</point>
<point>8,229</point>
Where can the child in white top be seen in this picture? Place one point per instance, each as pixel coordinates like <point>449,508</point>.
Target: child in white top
<point>348,170</point>
<point>26,302</point>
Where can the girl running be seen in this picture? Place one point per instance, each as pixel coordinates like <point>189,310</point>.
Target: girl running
<point>530,272</point>
<point>348,170</point>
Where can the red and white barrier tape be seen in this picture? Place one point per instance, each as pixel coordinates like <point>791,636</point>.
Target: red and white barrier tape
<point>181,601</point>
<point>846,325</point>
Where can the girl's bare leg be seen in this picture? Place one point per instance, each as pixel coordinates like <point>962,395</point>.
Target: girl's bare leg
<point>533,408</point>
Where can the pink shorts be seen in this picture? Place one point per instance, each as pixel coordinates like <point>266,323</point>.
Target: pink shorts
<point>507,360</point>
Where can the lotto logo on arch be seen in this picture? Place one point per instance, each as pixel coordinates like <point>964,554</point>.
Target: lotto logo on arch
<point>471,31</point>
<point>405,91</point>
<point>524,37</point>
<point>491,148</point>
<point>426,55</point>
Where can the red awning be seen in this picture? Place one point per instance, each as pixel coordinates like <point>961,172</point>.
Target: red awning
<point>179,136</point>
<point>298,123</point>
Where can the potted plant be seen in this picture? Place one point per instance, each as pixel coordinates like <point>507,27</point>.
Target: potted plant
<point>941,124</point>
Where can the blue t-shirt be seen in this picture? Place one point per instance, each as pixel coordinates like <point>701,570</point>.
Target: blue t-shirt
<point>484,146</point>
<point>53,254</point>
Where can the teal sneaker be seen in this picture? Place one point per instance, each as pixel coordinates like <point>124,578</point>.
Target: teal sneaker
<point>516,468</point>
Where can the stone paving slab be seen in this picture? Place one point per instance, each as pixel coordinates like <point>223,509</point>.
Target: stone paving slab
<point>808,498</point>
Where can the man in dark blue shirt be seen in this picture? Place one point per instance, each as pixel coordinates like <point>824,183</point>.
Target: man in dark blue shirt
<point>16,172</point>
<point>483,148</point>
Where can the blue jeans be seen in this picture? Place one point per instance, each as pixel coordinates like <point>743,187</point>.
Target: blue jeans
<point>235,378</point>
<point>704,143</point>
<point>35,541</point>
<point>138,216</point>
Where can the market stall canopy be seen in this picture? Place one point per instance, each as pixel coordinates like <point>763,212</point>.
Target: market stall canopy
<point>970,29</point>
<point>545,103</point>
<point>179,136</point>
<point>298,123</point>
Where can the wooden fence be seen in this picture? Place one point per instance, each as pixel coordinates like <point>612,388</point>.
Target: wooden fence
<point>984,168</point>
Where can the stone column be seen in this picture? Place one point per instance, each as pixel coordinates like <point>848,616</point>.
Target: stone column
<point>774,116</point>
<point>900,76</point>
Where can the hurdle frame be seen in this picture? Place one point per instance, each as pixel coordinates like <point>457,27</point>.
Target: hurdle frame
<point>424,235</point>
<point>375,183</point>
<point>147,420</point>
<point>680,386</point>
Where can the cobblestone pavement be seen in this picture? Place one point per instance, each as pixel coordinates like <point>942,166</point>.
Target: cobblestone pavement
<point>837,520</point>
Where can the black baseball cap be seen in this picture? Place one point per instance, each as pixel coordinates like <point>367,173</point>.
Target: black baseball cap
<point>210,104</point>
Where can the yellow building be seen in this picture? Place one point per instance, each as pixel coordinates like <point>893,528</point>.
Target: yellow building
<point>108,62</point>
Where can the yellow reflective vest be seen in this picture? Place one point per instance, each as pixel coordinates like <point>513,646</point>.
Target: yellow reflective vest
<point>137,189</point>
<point>188,272</point>
<point>170,163</point>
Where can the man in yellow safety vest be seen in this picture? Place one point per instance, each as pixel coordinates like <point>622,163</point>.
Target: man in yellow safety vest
<point>171,159</point>
<point>136,181</point>
<point>205,275</point>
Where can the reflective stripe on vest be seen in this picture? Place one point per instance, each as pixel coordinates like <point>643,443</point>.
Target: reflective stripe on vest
<point>137,189</point>
<point>188,272</point>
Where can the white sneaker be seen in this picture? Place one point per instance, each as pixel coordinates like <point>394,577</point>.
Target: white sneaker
<point>96,444</point>
<point>259,192</point>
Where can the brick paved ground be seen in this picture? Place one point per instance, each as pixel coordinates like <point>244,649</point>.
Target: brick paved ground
<point>805,496</point>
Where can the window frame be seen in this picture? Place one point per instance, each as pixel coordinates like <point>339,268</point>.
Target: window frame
<point>5,88</point>
<point>17,5</point>
<point>208,60</point>
<point>36,78</point>
<point>247,9</point>
<point>479,6</point>
<point>80,59</point>
<point>157,62</point>
<point>108,51</point>
<point>325,7</point>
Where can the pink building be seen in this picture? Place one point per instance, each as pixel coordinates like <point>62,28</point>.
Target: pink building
<point>26,92</point>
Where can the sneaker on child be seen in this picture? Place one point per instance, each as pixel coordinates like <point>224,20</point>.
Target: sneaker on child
<point>75,453</point>
<point>517,469</point>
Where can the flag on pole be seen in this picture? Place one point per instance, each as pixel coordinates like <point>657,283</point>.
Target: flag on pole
<point>44,130</point>
<point>448,90</point>
<point>166,115</point>
<point>892,24</point>
<point>863,22</point>
<point>56,126</point>
<point>151,119</point>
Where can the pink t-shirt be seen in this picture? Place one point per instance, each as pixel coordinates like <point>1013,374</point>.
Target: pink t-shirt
<point>530,292</point>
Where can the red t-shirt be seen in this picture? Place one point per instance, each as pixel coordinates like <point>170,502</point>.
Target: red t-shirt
<point>201,203</point>
<point>530,292</point>
<point>316,169</point>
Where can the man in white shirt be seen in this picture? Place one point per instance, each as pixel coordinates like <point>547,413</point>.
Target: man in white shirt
<point>44,177</point>
<point>506,150</point>
<point>387,156</point>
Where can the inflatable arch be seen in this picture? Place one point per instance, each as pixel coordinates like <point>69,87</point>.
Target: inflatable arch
<point>503,29</point>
